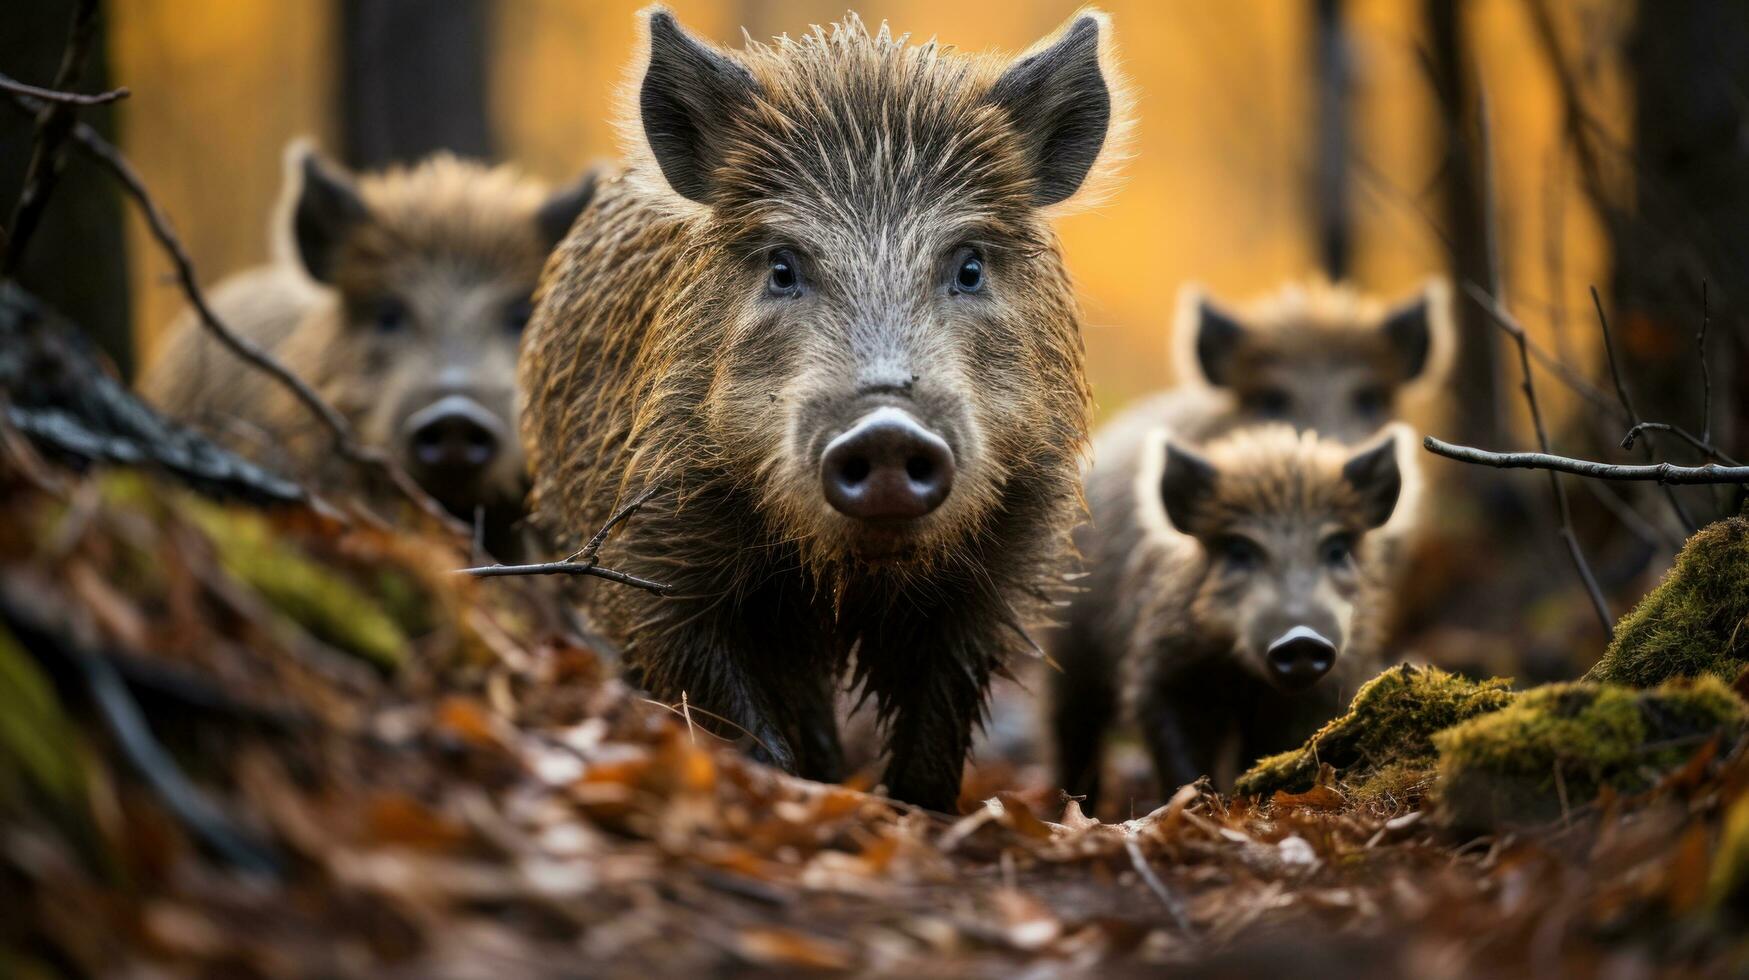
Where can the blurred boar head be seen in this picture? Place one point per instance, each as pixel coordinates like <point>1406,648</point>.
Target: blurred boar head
<point>1318,357</point>
<point>431,269</point>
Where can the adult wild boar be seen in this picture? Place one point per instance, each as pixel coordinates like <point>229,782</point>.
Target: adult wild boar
<point>823,313</point>
<point>400,297</point>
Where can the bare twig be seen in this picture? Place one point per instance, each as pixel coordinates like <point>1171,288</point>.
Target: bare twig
<point>1633,414</point>
<point>1568,536</point>
<point>1708,475</point>
<point>16,87</point>
<point>584,561</point>
<point>345,443</point>
<point>1706,372</point>
<point>1174,908</point>
<point>54,122</point>
<point>1701,445</point>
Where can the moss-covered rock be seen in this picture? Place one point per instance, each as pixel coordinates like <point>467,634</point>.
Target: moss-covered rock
<point>1556,747</point>
<point>321,600</point>
<point>1383,744</point>
<point>1695,623</point>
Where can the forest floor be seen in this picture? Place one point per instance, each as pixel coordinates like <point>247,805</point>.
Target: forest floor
<point>243,742</point>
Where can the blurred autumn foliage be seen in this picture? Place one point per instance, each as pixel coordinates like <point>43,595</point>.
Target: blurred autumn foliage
<point>1220,185</point>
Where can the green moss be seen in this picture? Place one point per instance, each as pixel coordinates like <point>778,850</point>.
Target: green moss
<point>38,746</point>
<point>1556,747</point>
<point>1695,623</point>
<point>320,600</point>
<point>1383,745</point>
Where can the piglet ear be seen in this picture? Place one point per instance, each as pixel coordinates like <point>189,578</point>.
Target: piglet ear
<point>1060,101</point>
<point>1373,472</point>
<point>556,214</point>
<point>1218,339</point>
<point>1408,331</point>
<point>1186,482</point>
<point>327,207</point>
<point>689,94</point>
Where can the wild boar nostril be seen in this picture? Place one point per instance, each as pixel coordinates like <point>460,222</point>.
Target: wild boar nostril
<point>453,435</point>
<point>887,466</point>
<point>1299,657</point>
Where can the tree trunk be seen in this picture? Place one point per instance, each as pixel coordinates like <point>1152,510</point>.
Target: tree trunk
<point>414,80</point>
<point>1475,375</point>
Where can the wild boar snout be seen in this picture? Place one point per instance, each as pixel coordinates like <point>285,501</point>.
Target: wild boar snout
<point>886,466</point>
<point>452,439</point>
<point>1299,657</point>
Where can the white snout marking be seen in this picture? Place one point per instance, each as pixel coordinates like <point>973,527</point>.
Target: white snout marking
<point>1301,633</point>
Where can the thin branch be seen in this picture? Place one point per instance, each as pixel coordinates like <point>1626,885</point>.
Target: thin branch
<point>1627,404</point>
<point>1550,362</point>
<point>1701,445</point>
<point>1568,535</point>
<point>584,561</point>
<point>16,87</point>
<point>1711,474</point>
<point>345,443</point>
<point>1173,907</point>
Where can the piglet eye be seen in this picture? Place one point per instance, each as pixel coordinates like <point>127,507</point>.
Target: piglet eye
<point>968,275</point>
<point>390,316</point>
<point>783,277</point>
<point>1336,550</point>
<point>1271,403</point>
<point>1370,401</point>
<point>1237,553</point>
<point>516,315</point>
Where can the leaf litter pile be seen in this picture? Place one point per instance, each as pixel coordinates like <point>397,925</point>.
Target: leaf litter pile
<point>245,742</point>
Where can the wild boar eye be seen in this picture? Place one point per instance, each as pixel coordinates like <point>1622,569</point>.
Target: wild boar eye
<point>391,316</point>
<point>1370,401</point>
<point>1336,550</point>
<point>1272,403</point>
<point>1237,553</point>
<point>968,275</point>
<point>516,315</point>
<point>783,277</point>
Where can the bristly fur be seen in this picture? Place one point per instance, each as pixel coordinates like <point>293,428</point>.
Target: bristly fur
<point>649,365</point>
<point>926,89</point>
<point>1145,641</point>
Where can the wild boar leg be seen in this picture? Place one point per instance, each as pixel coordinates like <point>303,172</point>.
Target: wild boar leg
<point>1182,730</point>
<point>730,677</point>
<point>934,685</point>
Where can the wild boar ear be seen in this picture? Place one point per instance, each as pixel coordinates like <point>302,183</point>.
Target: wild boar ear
<point>1408,330</point>
<point>556,214</point>
<point>1060,102</point>
<point>688,93</point>
<point>1373,471</point>
<point>1187,480</point>
<point>1218,338</point>
<point>327,208</point>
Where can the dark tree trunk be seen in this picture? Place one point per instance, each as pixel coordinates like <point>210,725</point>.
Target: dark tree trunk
<point>1475,377</point>
<point>414,80</point>
<point>1688,63</point>
<point>1331,212</point>
<point>76,256</point>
